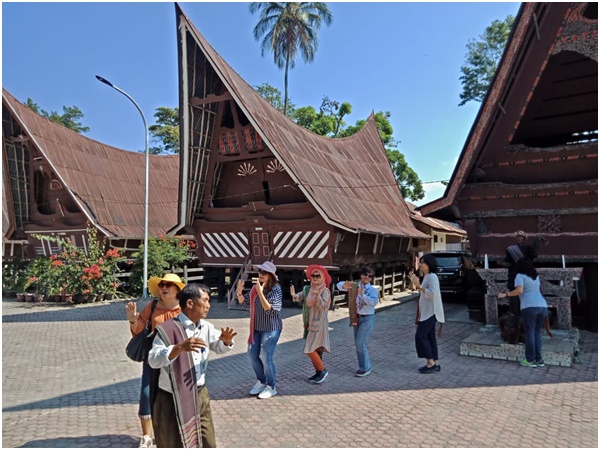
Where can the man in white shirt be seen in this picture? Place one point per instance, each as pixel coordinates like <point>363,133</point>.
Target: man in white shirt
<point>180,401</point>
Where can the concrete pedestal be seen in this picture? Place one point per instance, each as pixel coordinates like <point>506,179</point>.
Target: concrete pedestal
<point>487,343</point>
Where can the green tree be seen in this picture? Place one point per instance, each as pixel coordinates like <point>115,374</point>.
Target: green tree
<point>165,253</point>
<point>289,28</point>
<point>273,96</point>
<point>70,118</point>
<point>165,131</point>
<point>408,180</point>
<point>328,121</point>
<point>482,59</point>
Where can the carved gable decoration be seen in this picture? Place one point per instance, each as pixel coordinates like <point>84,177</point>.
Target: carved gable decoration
<point>579,34</point>
<point>275,166</point>
<point>228,143</point>
<point>252,140</point>
<point>55,185</point>
<point>246,169</point>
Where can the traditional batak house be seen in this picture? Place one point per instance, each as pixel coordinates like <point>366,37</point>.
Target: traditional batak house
<point>444,235</point>
<point>257,186</point>
<point>56,181</point>
<point>530,161</point>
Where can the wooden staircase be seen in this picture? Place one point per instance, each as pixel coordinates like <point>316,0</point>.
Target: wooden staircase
<point>245,273</point>
<point>232,301</point>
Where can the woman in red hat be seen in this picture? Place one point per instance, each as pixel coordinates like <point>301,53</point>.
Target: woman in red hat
<point>317,299</point>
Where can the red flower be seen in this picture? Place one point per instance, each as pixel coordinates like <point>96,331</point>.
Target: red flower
<point>112,253</point>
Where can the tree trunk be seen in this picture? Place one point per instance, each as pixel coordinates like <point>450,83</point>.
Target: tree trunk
<point>285,99</point>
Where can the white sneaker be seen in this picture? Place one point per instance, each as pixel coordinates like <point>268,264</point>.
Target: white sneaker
<point>267,392</point>
<point>145,441</point>
<point>258,388</point>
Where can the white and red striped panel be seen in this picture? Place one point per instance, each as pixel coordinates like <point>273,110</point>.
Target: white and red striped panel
<point>301,244</point>
<point>225,245</point>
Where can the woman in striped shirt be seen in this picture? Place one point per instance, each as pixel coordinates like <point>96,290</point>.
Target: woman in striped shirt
<point>265,300</point>
<point>429,311</point>
<point>317,299</point>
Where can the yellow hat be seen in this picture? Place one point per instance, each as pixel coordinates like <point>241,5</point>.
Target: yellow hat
<point>169,278</point>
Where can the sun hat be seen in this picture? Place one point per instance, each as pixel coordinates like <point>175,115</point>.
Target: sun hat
<point>268,266</point>
<point>169,278</point>
<point>310,269</point>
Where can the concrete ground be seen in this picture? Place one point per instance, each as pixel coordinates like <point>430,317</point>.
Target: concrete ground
<point>66,382</point>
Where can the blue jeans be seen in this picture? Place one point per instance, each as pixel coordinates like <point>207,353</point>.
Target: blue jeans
<point>362,331</point>
<point>533,322</point>
<point>261,355</point>
<point>425,340</point>
<point>144,409</point>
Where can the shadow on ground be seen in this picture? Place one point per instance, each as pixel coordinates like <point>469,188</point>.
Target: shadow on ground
<point>103,440</point>
<point>394,367</point>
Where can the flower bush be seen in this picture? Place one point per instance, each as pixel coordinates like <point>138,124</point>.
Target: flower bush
<point>74,271</point>
<point>36,280</point>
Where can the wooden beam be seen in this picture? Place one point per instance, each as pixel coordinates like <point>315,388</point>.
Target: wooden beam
<point>210,98</point>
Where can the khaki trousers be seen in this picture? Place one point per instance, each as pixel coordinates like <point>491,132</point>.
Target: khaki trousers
<point>164,421</point>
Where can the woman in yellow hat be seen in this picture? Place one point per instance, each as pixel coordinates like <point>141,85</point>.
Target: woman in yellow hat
<point>166,289</point>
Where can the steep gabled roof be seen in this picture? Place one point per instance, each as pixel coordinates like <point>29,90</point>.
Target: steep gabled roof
<point>437,224</point>
<point>107,183</point>
<point>349,180</point>
<point>559,26</point>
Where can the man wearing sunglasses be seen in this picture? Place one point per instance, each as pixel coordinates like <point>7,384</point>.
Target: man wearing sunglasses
<point>362,298</point>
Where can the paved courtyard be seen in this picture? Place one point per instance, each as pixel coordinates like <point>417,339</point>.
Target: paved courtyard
<point>66,382</point>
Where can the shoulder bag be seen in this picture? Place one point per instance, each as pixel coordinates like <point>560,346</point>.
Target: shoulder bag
<point>139,346</point>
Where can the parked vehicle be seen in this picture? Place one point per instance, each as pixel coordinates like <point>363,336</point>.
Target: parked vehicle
<point>459,279</point>
<point>451,272</point>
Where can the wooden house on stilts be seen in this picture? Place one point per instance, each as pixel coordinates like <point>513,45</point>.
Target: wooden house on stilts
<point>256,186</point>
<point>55,181</point>
<point>531,160</point>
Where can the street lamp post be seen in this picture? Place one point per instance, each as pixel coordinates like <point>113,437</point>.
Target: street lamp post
<point>145,284</point>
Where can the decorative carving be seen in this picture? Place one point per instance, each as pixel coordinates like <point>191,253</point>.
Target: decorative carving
<point>523,212</point>
<point>275,166</point>
<point>578,34</point>
<point>55,185</point>
<point>575,148</point>
<point>246,169</point>
<point>556,286</point>
<point>252,140</point>
<point>549,224</point>
<point>228,143</point>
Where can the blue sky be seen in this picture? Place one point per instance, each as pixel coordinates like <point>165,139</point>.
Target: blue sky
<point>399,57</point>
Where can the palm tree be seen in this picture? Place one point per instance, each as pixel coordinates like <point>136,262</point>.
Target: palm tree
<point>286,28</point>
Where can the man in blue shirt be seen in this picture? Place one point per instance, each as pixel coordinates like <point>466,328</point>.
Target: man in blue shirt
<point>364,296</point>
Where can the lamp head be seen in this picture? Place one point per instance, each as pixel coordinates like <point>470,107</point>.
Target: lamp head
<point>104,80</point>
